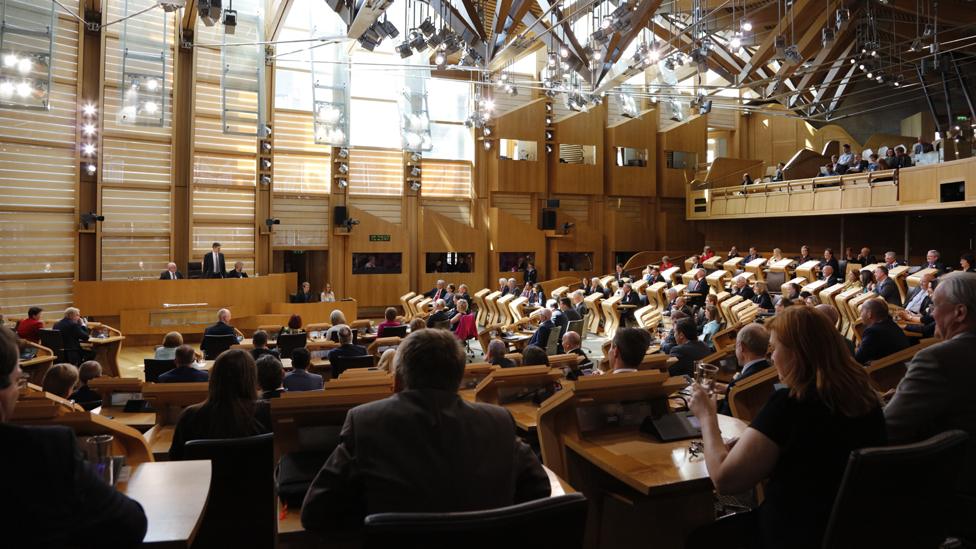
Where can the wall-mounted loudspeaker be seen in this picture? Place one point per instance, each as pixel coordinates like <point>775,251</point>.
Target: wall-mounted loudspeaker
<point>340,215</point>
<point>552,203</point>
<point>547,220</point>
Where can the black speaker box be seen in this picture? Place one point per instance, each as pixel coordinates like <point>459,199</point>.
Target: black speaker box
<point>547,220</point>
<point>340,215</point>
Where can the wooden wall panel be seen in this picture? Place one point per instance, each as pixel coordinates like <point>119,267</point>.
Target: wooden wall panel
<point>526,123</point>
<point>585,128</point>
<point>690,136</point>
<point>630,224</point>
<point>441,234</point>
<point>374,290</point>
<point>506,233</point>
<point>638,133</point>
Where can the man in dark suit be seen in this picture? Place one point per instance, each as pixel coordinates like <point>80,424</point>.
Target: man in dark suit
<point>631,298</point>
<point>742,288</point>
<point>238,271</point>
<point>753,255</point>
<point>184,371</point>
<point>751,346</point>
<point>61,503</point>
<point>571,345</point>
<point>496,354</point>
<point>627,350</point>
<point>917,301</point>
<point>885,286</point>
<point>804,255</point>
<point>437,292</point>
<point>346,348</point>
<point>299,379</point>
<point>829,275</point>
<point>932,261</point>
<point>440,314</point>
<point>579,304</point>
<point>511,288</point>
<point>171,273</point>
<point>531,275</point>
<point>688,348</point>
<point>882,336</point>
<point>213,263</point>
<point>74,330</point>
<point>698,288</point>
<point>425,437</point>
<point>829,259</point>
<point>541,336</point>
<point>221,328</point>
<point>865,258</point>
<point>891,260</point>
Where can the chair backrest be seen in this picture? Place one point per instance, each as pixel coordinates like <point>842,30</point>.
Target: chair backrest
<point>154,368</point>
<point>549,522</point>
<point>749,395</point>
<point>289,342</point>
<point>898,496</point>
<point>575,326</point>
<point>555,336</point>
<point>467,328</point>
<point>441,325</point>
<point>239,513</point>
<point>395,331</point>
<point>213,345</point>
<point>51,339</point>
<point>343,363</point>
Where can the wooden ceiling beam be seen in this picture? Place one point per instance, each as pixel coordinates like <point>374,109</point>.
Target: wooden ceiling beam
<point>276,20</point>
<point>189,15</point>
<point>801,11</point>
<point>619,42</point>
<point>474,19</point>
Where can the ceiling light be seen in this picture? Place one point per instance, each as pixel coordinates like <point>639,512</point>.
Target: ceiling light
<point>745,25</point>
<point>564,52</point>
<point>169,6</point>
<point>487,145</point>
<point>874,53</point>
<point>343,152</point>
<point>151,107</point>
<point>428,28</point>
<point>861,66</point>
<point>735,43</point>
<point>88,130</point>
<point>853,60</point>
<point>415,171</point>
<point>152,84</point>
<point>91,169</point>
<point>415,186</point>
<point>388,28</point>
<point>404,50</point>
<point>417,41</point>
<point>88,149</point>
<point>870,74</point>
<point>265,164</point>
<point>440,60</point>
<point>230,21</point>
<point>343,168</point>
<point>487,104</point>
<point>24,65</point>
<point>342,183</point>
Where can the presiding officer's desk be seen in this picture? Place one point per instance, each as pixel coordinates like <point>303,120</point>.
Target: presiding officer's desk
<point>641,490</point>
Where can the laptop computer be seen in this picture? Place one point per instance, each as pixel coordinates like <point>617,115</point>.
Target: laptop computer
<point>671,427</point>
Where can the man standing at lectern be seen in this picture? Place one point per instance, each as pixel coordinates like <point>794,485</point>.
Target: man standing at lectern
<point>213,263</point>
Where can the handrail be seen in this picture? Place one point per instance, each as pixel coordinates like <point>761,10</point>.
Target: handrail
<point>794,185</point>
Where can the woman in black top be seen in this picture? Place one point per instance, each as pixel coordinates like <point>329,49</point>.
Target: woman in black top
<point>800,441</point>
<point>762,297</point>
<point>232,408</point>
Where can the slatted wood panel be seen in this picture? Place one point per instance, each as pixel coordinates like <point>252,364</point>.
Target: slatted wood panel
<point>294,132</point>
<point>442,178</point>
<point>223,205</point>
<point>575,206</point>
<point>55,126</point>
<point>37,176</point>
<point>456,210</point>
<point>50,294</point>
<point>387,209</point>
<point>237,244</point>
<point>223,171</point>
<point>208,135</point>
<point>37,243</point>
<point>571,154</point>
<point>516,205</point>
<point>137,163</point>
<point>135,211</point>
<point>148,27</point>
<point>376,172</point>
<point>628,208</point>
<point>126,257</point>
<point>301,173</point>
<point>304,222</point>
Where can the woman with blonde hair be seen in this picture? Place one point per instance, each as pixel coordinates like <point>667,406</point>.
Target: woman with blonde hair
<point>800,441</point>
<point>171,341</point>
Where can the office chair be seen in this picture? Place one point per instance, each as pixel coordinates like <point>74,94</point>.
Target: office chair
<point>289,342</point>
<point>52,339</point>
<point>342,363</point>
<point>213,345</point>
<point>154,368</point>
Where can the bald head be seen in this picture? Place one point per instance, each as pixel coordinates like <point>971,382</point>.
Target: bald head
<point>571,341</point>
<point>223,315</point>
<point>829,312</point>
<point>874,311</point>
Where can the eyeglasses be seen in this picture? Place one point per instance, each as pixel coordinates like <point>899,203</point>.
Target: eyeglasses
<point>22,381</point>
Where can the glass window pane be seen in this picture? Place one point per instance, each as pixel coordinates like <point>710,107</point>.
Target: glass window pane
<point>373,80</point>
<point>375,124</point>
<point>451,142</point>
<point>447,100</point>
<point>293,90</point>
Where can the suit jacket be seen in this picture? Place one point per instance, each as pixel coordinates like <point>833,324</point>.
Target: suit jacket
<point>911,295</point>
<point>724,407</point>
<point>184,375</point>
<point>214,271</point>
<point>541,336</point>
<point>938,265</point>
<point>72,334</point>
<point>580,309</point>
<point>531,277</point>
<point>433,292</point>
<point>414,452</point>
<point>302,380</point>
<point>234,273</point>
<point>439,316</point>
<point>832,262</point>
<point>165,275</point>
<point>746,292</point>
<point>881,340</point>
<point>633,298</point>
<point>220,329</point>
<point>504,363</point>
<point>831,280</point>
<point>306,298</point>
<point>889,291</point>
<point>764,300</point>
<point>687,354</point>
<point>66,505</point>
<point>750,258</point>
<point>347,349</point>
<point>865,260</point>
<point>936,395</point>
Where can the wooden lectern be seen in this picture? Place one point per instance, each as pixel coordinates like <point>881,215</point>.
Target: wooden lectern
<point>516,388</point>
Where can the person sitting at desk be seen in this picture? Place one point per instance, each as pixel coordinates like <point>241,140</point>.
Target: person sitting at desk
<point>534,356</point>
<point>84,395</point>
<point>932,261</point>
<point>462,293</point>
<point>305,295</point>
<point>882,336</point>
<point>294,326</point>
<point>568,312</point>
<point>260,342</point>
<point>460,312</point>
<point>627,350</point>
<point>829,276</point>
<point>185,371</point>
<point>415,436</point>
<point>885,286</point>
<point>511,287</point>
<point>238,271</point>
<point>875,164</point>
<point>751,346</point>
<point>747,179</point>
<point>60,380</point>
<point>30,327</point>
<point>741,288</point>
<point>346,348</point>
<point>687,349</point>
<point>967,262</point>
<point>74,330</point>
<point>439,315</point>
<point>232,408</point>
<point>271,375</point>
<point>497,349</point>
<point>171,273</point>
<point>389,321</point>
<point>631,298</point>
<point>338,319</point>
<point>221,328</point>
<point>697,288</point>
<point>801,440</point>
<point>328,296</point>
<point>171,341</point>
<point>712,325</point>
<point>597,287</point>
<point>571,345</point>
<point>779,175</point>
<point>299,379</point>
<point>213,263</point>
<point>438,292</point>
<point>666,263</point>
<point>541,336</point>
<point>829,259</point>
<point>534,294</point>
<point>733,253</point>
<point>65,502</point>
<point>578,303</point>
<point>762,297</point>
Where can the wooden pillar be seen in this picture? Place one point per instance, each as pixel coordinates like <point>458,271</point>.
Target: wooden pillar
<point>89,91</point>
<point>263,190</point>
<point>184,81</point>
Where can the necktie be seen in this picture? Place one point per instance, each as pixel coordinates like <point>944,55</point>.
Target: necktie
<point>172,275</point>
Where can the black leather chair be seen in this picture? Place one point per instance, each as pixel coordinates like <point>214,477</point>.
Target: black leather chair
<point>154,368</point>
<point>52,340</point>
<point>898,496</point>
<point>549,522</point>
<point>289,342</point>
<point>395,331</point>
<point>341,364</point>
<point>213,345</point>
<point>242,507</point>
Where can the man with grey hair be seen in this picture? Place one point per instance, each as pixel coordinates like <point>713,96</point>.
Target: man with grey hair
<point>541,336</point>
<point>932,261</point>
<point>882,336</point>
<point>438,292</point>
<point>741,287</point>
<point>936,393</point>
<point>74,330</point>
<point>578,303</point>
<point>751,347</point>
<point>439,314</point>
<point>425,438</point>
<point>511,287</point>
<point>497,349</point>
<point>345,349</point>
<point>171,273</point>
<point>891,260</point>
<point>221,328</point>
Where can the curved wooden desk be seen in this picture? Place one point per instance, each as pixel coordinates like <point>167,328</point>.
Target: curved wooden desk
<point>38,366</point>
<point>174,496</point>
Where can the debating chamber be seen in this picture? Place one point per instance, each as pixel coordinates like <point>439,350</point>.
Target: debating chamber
<point>488,274</point>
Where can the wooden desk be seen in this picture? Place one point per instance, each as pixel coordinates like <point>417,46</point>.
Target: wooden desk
<point>140,421</point>
<point>320,344</point>
<point>38,366</point>
<point>174,495</point>
<point>106,351</point>
<point>526,415</point>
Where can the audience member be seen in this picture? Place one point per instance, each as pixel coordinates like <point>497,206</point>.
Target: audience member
<point>437,292</point>
<point>541,336</point>
<point>534,356</point>
<point>741,287</point>
<point>882,336</point>
<point>829,276</point>
<point>338,320</point>
<point>747,179</point>
<point>305,295</point>
<point>346,348</point>
<point>687,349</point>
<point>885,287</point>
<point>417,435</point>
<point>260,342</point>
<point>875,164</point>
<point>30,327</point>
<point>439,315</point>
<point>800,441</point>
<point>780,174</point>
<point>578,303</point>
<point>74,330</point>
<point>707,253</point>
<point>571,345</point>
<point>712,325</point>
<point>846,159</point>
<point>753,255</point>
<point>416,325</point>
<point>627,350</point>
<point>762,297</point>
<point>389,321</point>
<point>511,287</point>
<point>386,362</point>
<point>902,158</point>
<point>751,348</point>
<point>666,263</point>
<point>238,271</point>
<point>890,159</point>
<point>698,288</point>
<point>829,259</point>
<point>497,349</point>
<point>63,504</point>
<point>460,313</point>
<point>84,395</point>
<point>221,328</point>
<point>630,298</point>
<point>865,257</point>
<point>294,326</point>
<point>967,262</point>
<point>932,261</point>
<point>866,281</point>
<point>184,372</point>
<point>271,375</point>
<point>171,341</point>
<point>922,146</point>
<point>919,298</point>
<point>171,273</point>
<point>60,380</point>
<point>859,164</point>
<point>232,408</point>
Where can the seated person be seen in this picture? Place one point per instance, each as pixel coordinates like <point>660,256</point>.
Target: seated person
<point>875,164</point>
<point>497,349</point>
<point>184,372</point>
<point>627,350</point>
<point>328,296</point>
<point>30,327</point>
<point>415,436</point>
<point>221,328</point>
<point>60,380</point>
<point>294,325</point>
<point>238,271</point>
<point>534,356</point>
<point>389,321</point>
<point>171,341</point>
<point>171,273</point>
<point>541,336</point>
<point>846,159</point>
<point>305,295</point>
<point>271,374</point>
<point>712,325</point>
<point>885,287</point>
<point>438,292</point>
<point>747,179</point>
<point>865,257</point>
<point>449,296</point>
<point>461,312</point>
<point>338,320</point>
<point>440,314</point>
<point>882,336</point>
<point>299,379</point>
<point>74,330</point>
<point>828,275</point>
<point>687,349</point>
<point>578,303</point>
<point>571,345</point>
<point>346,348</point>
<point>628,297</point>
<point>762,297</point>
<point>415,325</point>
<point>65,504</point>
<point>260,342</point>
<point>697,289</point>
<point>751,346</point>
<point>232,408</point>
<point>801,440</point>
<point>741,287</point>
<point>858,165</point>
<point>780,172</point>
<point>84,395</point>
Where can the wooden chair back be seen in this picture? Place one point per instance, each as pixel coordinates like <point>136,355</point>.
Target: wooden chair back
<point>749,395</point>
<point>886,373</point>
<point>592,302</point>
<point>611,314</point>
<point>479,301</point>
<point>408,311</point>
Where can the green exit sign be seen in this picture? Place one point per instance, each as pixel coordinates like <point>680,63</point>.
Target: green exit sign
<point>379,238</point>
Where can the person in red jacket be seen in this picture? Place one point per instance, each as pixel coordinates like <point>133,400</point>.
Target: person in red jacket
<point>30,327</point>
